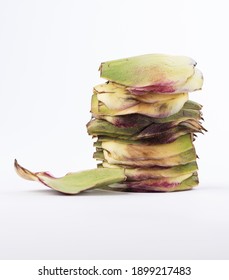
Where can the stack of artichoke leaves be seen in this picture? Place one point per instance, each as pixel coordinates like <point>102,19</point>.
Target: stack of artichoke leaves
<point>144,126</point>
<point>143,122</point>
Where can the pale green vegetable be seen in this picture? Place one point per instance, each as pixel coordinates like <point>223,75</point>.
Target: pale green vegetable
<point>144,127</point>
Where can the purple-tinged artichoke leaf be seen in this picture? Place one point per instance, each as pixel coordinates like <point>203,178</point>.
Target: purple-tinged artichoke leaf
<point>154,73</point>
<point>152,186</point>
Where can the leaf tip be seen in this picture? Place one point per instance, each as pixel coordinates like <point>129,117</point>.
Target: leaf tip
<point>24,173</point>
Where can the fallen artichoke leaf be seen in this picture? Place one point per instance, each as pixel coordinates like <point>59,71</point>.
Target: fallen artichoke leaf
<point>77,182</point>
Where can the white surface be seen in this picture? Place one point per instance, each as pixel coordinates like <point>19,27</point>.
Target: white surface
<point>49,55</point>
<point>42,224</point>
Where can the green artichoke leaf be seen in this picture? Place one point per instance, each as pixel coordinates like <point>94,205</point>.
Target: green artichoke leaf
<point>77,182</point>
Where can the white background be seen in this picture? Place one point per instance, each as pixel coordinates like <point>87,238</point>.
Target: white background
<point>50,52</point>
